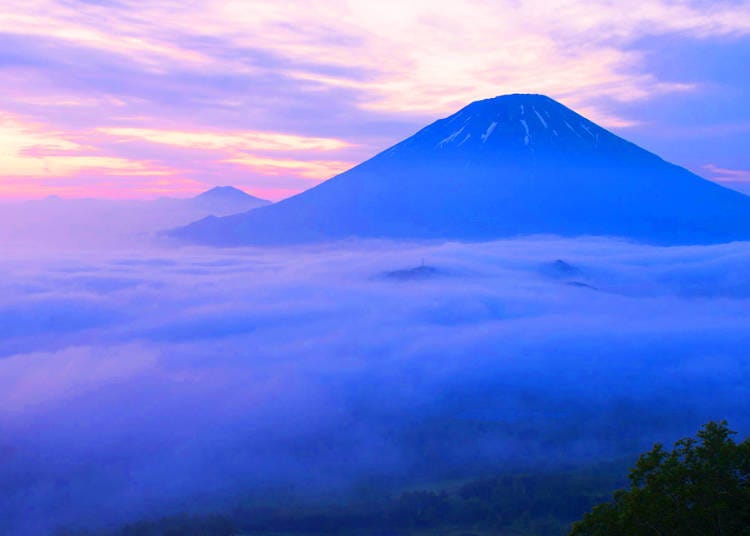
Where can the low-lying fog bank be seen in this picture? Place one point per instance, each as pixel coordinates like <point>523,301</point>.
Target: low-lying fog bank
<point>150,382</point>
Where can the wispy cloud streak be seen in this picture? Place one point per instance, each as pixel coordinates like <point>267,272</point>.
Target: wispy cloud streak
<point>198,74</point>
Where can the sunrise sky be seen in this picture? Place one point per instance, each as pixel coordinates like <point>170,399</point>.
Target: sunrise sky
<point>120,98</point>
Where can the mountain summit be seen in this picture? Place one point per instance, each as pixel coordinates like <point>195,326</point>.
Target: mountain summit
<point>508,166</point>
<point>223,193</point>
<point>512,122</point>
<point>227,199</point>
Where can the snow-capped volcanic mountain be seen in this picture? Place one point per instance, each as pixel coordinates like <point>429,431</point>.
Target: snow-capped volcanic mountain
<point>512,165</point>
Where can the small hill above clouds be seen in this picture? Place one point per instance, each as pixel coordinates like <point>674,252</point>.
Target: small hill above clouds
<point>93,223</point>
<point>501,167</point>
<point>226,199</point>
<point>218,201</point>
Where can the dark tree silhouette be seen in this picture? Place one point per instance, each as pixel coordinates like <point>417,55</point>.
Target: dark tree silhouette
<point>700,488</point>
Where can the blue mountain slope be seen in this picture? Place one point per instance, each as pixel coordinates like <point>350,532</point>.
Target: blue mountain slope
<point>508,166</point>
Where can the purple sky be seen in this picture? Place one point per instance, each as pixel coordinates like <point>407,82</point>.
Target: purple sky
<point>120,98</point>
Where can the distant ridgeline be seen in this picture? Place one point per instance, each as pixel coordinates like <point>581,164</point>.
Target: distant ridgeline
<point>543,504</point>
<point>502,167</point>
<point>700,488</point>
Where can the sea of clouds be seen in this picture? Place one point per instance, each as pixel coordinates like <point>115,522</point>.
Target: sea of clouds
<point>153,381</point>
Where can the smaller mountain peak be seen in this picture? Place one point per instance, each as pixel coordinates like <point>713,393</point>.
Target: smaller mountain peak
<point>228,196</point>
<point>222,191</point>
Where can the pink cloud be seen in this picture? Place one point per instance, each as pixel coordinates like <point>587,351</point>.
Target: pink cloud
<point>211,77</point>
<point>721,174</point>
